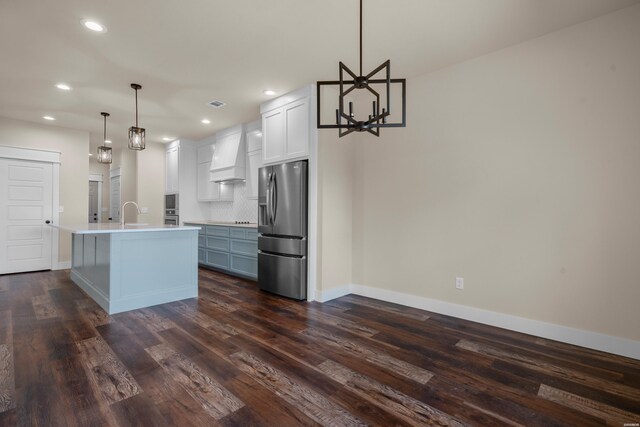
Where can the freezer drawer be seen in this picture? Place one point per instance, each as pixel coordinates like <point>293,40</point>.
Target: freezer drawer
<point>283,245</point>
<point>282,275</point>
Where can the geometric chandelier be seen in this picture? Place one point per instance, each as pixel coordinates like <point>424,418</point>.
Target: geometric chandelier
<point>136,134</point>
<point>104,152</point>
<point>347,122</point>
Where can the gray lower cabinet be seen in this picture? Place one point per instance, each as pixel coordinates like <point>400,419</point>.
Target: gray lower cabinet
<point>233,250</point>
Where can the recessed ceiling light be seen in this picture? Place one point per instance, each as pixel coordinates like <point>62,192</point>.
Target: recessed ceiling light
<point>107,141</point>
<point>48,118</point>
<point>269,92</point>
<point>94,26</point>
<point>168,138</point>
<point>63,86</point>
<point>205,121</point>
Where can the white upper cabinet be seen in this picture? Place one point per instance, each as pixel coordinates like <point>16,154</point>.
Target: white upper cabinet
<point>254,158</point>
<point>254,136</point>
<point>296,119</point>
<point>172,169</point>
<point>288,125</point>
<point>207,190</point>
<point>273,133</point>
<point>205,152</point>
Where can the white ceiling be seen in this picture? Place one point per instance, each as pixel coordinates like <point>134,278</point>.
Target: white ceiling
<point>187,53</point>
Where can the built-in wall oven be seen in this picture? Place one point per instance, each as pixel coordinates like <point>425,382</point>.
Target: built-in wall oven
<point>171,209</point>
<point>171,220</point>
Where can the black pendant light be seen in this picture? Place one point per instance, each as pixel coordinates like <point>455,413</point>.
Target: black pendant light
<point>136,134</point>
<point>104,152</point>
<point>377,118</point>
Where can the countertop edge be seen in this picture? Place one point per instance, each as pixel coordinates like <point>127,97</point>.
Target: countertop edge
<point>222,224</point>
<point>79,229</point>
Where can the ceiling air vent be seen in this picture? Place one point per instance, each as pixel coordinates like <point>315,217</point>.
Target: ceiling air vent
<point>217,104</point>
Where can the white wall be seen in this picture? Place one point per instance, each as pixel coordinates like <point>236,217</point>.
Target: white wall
<point>335,205</point>
<point>126,160</point>
<point>150,183</point>
<point>519,171</point>
<point>74,168</point>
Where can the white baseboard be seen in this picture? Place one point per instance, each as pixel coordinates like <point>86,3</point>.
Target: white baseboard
<point>62,265</point>
<point>593,340</point>
<point>333,293</point>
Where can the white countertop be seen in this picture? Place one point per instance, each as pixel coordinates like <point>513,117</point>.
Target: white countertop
<point>223,223</point>
<point>111,227</point>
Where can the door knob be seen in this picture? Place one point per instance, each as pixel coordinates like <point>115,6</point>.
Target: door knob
<point>47,222</point>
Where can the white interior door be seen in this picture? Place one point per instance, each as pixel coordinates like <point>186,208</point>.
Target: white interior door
<point>26,203</point>
<point>114,198</point>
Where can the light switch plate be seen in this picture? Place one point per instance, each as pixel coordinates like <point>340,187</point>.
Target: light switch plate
<point>61,209</point>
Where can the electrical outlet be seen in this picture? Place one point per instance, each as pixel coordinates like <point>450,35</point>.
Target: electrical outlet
<point>459,282</point>
<point>144,210</point>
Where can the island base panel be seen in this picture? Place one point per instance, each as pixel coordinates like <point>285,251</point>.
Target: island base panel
<point>126,271</point>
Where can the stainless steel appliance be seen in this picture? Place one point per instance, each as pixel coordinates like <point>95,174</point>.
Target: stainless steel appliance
<point>171,204</point>
<point>171,209</point>
<point>282,228</point>
<point>171,220</point>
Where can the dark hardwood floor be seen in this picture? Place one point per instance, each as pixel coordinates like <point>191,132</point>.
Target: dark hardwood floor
<point>238,356</point>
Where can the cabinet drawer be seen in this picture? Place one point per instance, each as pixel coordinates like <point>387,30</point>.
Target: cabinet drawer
<point>201,241</point>
<point>237,233</point>
<point>220,243</point>
<point>216,230</point>
<point>244,265</point>
<point>201,256</point>
<point>243,233</point>
<point>244,247</point>
<point>218,259</point>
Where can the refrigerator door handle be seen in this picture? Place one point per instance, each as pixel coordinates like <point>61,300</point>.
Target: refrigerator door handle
<point>274,197</point>
<point>269,199</point>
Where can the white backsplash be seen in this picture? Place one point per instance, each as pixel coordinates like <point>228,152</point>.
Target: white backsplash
<point>240,209</point>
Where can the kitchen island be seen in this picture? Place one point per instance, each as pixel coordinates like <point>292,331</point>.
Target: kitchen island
<point>125,267</point>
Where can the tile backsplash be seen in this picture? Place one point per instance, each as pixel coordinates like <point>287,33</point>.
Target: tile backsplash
<point>240,209</point>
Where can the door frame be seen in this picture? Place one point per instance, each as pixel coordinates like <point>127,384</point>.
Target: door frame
<point>43,156</point>
<point>113,173</point>
<point>98,179</point>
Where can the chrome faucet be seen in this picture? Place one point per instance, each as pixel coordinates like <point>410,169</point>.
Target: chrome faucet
<point>122,211</point>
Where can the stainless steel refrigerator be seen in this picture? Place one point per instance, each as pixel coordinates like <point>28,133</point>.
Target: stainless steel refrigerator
<point>282,228</point>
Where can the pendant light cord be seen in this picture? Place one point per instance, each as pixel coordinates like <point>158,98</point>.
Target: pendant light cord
<point>105,130</point>
<point>136,107</point>
<point>360,37</point>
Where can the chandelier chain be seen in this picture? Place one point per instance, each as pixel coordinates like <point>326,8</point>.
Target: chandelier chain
<point>360,37</point>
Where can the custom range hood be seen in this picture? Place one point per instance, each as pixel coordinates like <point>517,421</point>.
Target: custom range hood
<point>229,156</point>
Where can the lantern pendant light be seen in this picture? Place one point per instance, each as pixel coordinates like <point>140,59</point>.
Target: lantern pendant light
<point>104,152</point>
<point>346,121</point>
<point>136,134</point>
